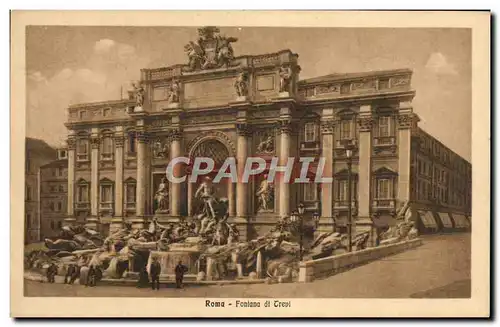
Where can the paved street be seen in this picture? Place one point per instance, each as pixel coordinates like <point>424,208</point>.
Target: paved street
<point>439,268</point>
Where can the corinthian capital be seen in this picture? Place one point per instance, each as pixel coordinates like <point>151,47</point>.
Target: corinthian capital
<point>244,129</point>
<point>95,142</point>
<point>71,142</point>
<point>407,120</point>
<point>119,140</point>
<point>285,126</point>
<point>365,124</point>
<point>175,134</point>
<point>327,127</point>
<point>142,137</point>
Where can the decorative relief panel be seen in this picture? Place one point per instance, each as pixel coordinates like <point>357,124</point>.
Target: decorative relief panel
<point>400,81</point>
<point>160,93</point>
<point>323,89</point>
<point>209,93</point>
<point>364,85</point>
<point>265,141</point>
<point>365,124</point>
<point>161,147</point>
<point>265,83</point>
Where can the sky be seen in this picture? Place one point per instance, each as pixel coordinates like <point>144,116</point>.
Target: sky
<point>67,65</point>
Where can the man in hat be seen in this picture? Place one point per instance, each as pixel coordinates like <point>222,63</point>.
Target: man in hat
<point>155,271</point>
<point>180,270</point>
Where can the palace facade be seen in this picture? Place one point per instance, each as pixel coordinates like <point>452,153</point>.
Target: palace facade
<point>220,106</point>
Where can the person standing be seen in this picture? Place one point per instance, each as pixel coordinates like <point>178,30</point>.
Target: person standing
<point>69,273</point>
<point>51,272</point>
<point>180,270</point>
<point>155,271</point>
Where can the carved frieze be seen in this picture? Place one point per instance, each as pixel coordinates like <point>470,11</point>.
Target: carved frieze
<point>365,124</point>
<point>194,120</point>
<point>364,85</point>
<point>266,113</point>
<point>158,123</point>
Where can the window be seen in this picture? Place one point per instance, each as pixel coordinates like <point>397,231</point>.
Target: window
<point>82,150</point>
<point>59,224</point>
<point>61,188</point>
<point>131,143</point>
<point>130,189</point>
<point>28,193</point>
<point>345,130</point>
<point>384,126</point>
<point>52,189</point>
<point>52,225</point>
<point>106,195</point>
<point>310,132</point>
<point>342,190</point>
<point>384,189</point>
<point>107,148</point>
<point>52,207</point>
<point>83,193</point>
<point>60,171</point>
<point>310,192</point>
<point>53,171</point>
<point>59,206</point>
<point>28,220</point>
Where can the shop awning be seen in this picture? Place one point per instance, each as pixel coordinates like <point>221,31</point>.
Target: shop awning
<point>460,221</point>
<point>427,219</point>
<point>445,219</point>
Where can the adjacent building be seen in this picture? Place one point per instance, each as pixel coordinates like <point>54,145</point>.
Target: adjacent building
<point>37,154</point>
<point>223,106</point>
<point>53,196</point>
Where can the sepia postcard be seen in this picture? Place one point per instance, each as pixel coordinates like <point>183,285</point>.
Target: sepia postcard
<point>250,164</point>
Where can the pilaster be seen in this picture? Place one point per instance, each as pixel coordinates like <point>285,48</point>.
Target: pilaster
<point>244,131</point>
<point>142,142</point>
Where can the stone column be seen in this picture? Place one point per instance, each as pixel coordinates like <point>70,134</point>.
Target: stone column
<point>406,121</point>
<point>117,221</point>
<point>70,219</point>
<point>241,158</point>
<point>142,141</point>
<point>365,123</point>
<point>284,190</point>
<point>230,197</point>
<point>327,153</point>
<point>94,180</point>
<point>175,196</point>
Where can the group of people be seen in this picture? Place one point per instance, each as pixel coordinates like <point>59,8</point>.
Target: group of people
<point>154,275</point>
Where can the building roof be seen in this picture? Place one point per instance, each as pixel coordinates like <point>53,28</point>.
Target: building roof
<point>37,147</point>
<point>347,76</point>
<point>56,163</point>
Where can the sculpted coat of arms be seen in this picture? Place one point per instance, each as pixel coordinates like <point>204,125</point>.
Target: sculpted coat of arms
<point>211,50</point>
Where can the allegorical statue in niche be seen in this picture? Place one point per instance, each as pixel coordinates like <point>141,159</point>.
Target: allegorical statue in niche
<point>139,94</point>
<point>265,194</point>
<point>285,79</point>
<point>161,196</point>
<point>241,84</point>
<point>174,91</point>
<point>266,144</point>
